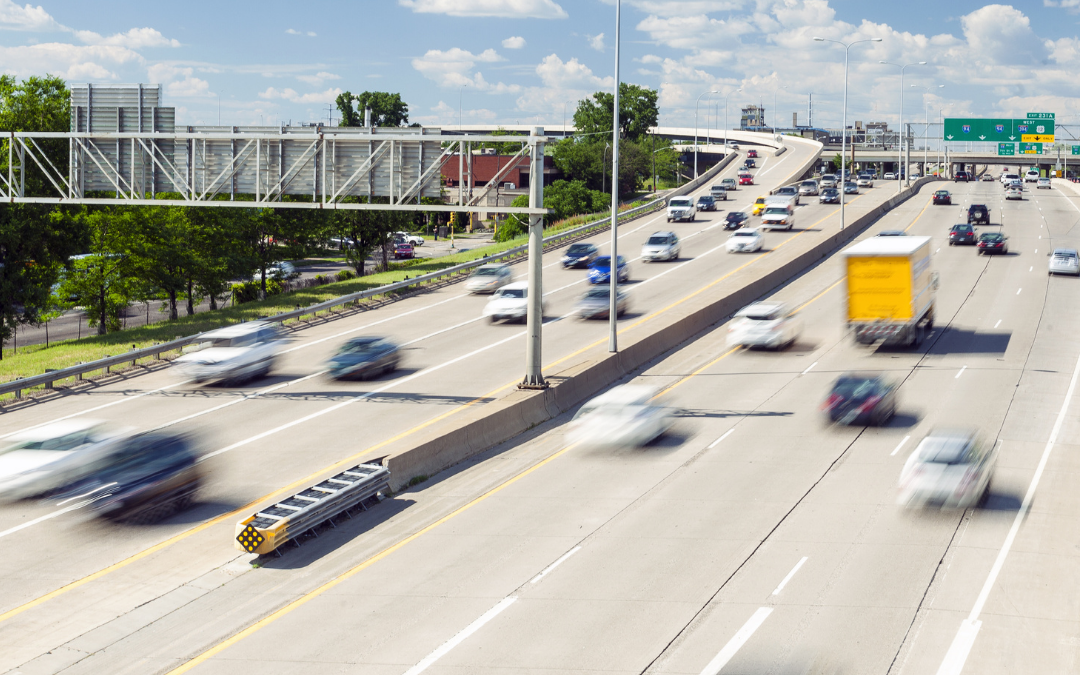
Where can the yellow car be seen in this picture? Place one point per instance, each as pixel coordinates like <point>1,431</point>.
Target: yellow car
<point>759,206</point>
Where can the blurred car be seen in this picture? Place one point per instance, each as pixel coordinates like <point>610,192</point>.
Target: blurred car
<point>789,191</point>
<point>942,197</point>
<point>146,478</point>
<point>706,203</point>
<point>580,255</point>
<point>492,277</point>
<point>889,175</point>
<point>861,398</point>
<point>729,184</point>
<point>759,206</point>
<point>891,233</point>
<point>829,196</point>
<point>746,178</point>
<point>808,188</point>
<point>961,177</point>
<point>233,354</point>
<point>828,181</point>
<point>510,303</point>
<point>764,324</point>
<point>865,180</point>
<point>661,246</point>
<point>749,164</point>
<point>1043,183</point>
<point>851,188</point>
<point>282,271</point>
<point>978,214</point>
<point>622,417</point>
<point>1064,261</point>
<point>962,233</point>
<point>403,250</point>
<point>746,240</point>
<point>1014,192</point>
<point>411,239</point>
<point>50,457</point>
<point>949,468</point>
<point>735,219</point>
<point>363,357</point>
<point>600,270</point>
<point>596,303</point>
<point>733,145</point>
<point>992,242</point>
<point>1031,176</point>
<point>751,153</point>
<point>987,177</point>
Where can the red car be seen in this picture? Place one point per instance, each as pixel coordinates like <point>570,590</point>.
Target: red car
<point>403,250</point>
<point>751,153</point>
<point>746,179</point>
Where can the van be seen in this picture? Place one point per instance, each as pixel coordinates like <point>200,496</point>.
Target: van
<point>778,217</point>
<point>787,201</point>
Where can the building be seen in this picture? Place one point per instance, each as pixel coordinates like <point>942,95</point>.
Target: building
<point>485,167</point>
<point>753,117</point>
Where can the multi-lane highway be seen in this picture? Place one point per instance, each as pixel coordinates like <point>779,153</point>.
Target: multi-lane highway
<point>754,531</point>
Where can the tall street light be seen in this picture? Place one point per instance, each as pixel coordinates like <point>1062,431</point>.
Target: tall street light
<point>843,131</point>
<point>726,99</point>
<point>926,122</point>
<point>460,92</point>
<point>613,276</point>
<point>774,106</point>
<point>696,127</point>
<point>900,153</point>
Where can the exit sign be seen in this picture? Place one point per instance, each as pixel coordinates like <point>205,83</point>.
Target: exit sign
<point>1076,149</point>
<point>1006,149</point>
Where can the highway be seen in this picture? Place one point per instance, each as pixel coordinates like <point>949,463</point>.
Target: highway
<point>663,553</point>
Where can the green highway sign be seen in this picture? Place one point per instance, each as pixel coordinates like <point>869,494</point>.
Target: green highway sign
<point>1076,149</point>
<point>997,130</point>
<point>1006,149</point>
<point>1031,148</point>
<point>1040,116</point>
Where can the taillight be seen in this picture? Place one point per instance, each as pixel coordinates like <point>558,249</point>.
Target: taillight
<point>869,404</point>
<point>833,401</point>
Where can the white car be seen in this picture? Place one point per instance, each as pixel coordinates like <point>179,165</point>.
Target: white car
<point>1006,178</point>
<point>489,278</point>
<point>746,240</point>
<point>949,468</point>
<point>50,457</point>
<point>764,324</point>
<point>661,246</point>
<point>680,208</point>
<point>622,417</point>
<point>1014,192</point>
<point>808,188</point>
<point>1043,183</point>
<point>1064,261</point>
<point>233,354</point>
<point>890,176</point>
<point>865,180</point>
<point>1031,176</point>
<point>828,181</point>
<point>410,239</point>
<point>510,303</point>
<point>283,271</point>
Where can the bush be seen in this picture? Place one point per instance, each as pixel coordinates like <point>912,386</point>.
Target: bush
<point>249,290</point>
<point>345,275</point>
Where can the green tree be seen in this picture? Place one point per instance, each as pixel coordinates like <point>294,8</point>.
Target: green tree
<point>571,198</point>
<point>102,281</point>
<point>638,112</point>
<point>387,110</point>
<point>349,116</point>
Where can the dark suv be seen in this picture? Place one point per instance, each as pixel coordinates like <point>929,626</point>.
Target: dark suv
<point>961,176</point>
<point>978,214</point>
<point>962,233</point>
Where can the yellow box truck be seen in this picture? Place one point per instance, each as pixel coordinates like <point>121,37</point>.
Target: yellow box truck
<point>890,290</point>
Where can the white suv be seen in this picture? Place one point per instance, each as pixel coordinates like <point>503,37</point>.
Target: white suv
<point>680,208</point>
<point>233,354</point>
<point>1031,177</point>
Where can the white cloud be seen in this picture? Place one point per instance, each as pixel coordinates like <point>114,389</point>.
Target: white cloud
<point>318,78</point>
<point>446,115</point>
<point>517,9</point>
<point>292,96</point>
<point>454,68</point>
<point>75,63</point>
<point>596,42</point>
<point>26,17</point>
<point>179,81</point>
<point>1072,6</point>
<point>1003,34</point>
<point>136,38</point>
<point>517,42</point>
<point>562,81</point>
<point>293,31</point>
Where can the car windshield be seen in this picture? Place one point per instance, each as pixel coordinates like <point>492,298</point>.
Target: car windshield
<point>992,237</point>
<point>946,450</point>
<point>941,193</point>
<point>605,261</point>
<point>363,346</point>
<point>658,240</point>
<point>830,191</point>
<point>775,210</point>
<point>705,199</point>
<point>63,443</point>
<point>809,183</point>
<point>961,228</point>
<point>1060,253</point>
<point>786,190</point>
<point>735,215</point>
<point>856,387</point>
<point>598,292</point>
<point>579,249</point>
<point>745,233</point>
<point>486,272</point>
<point>679,202</point>
<point>512,293</point>
<point>764,313</point>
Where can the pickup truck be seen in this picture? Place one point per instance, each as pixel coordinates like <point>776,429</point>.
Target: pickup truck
<point>410,239</point>
<point>890,290</point>
<point>680,208</point>
<point>777,217</point>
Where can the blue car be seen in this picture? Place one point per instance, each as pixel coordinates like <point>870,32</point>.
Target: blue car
<point>600,270</point>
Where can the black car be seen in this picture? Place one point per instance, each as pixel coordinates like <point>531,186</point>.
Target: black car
<point>829,196</point>
<point>706,203</point>
<point>861,398</point>
<point>734,220</point>
<point>992,242</point>
<point>147,478</point>
<point>580,255</point>
<point>750,164</point>
<point>978,214</point>
<point>364,357</point>
<point>961,177</point>
<point>942,197</point>
<point>962,233</point>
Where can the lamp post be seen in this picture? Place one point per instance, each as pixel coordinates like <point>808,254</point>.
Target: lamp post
<point>459,94</point>
<point>613,269</point>
<point>603,169</point>
<point>696,126</point>
<point>843,131</point>
<point>926,121</point>
<point>218,107</point>
<point>726,99</point>
<point>900,151</point>
<point>774,106</point>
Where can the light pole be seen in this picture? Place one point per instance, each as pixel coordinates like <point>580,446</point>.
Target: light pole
<point>900,168</point>
<point>218,96</point>
<point>926,121</point>
<point>843,131</point>
<point>459,94</point>
<point>603,169</point>
<point>696,127</point>
<point>774,105</point>
<point>613,268</point>
<point>726,99</point>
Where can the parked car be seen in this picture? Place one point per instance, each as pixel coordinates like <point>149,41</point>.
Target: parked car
<point>580,255</point>
<point>735,219</point>
<point>1014,192</point>
<point>361,358</point>
<point>680,208</point>
<point>829,196</point>
<point>596,303</point>
<point>1043,183</point>
<point>751,153</point>
<point>764,324</point>
<point>851,188</point>
<point>1064,261</point>
<point>625,416</point>
<point>788,191</point>
<point>962,233</point>
<point>808,188</point>
<point>49,458</point>
<point>759,206</point>
<point>233,354</point>
<point>600,270</point>
<point>661,246</point>
<point>992,242</point>
<point>411,239</point>
<point>510,303</point>
<point>403,250</point>
<point>949,468</point>
<point>745,240</point>
<point>745,178</point>
<point>942,197</point>
<point>706,203</point>
<point>978,214</point>
<point>861,398</point>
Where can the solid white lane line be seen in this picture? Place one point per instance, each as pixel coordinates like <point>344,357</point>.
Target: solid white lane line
<point>460,637</point>
<point>736,642</point>
<point>789,575</point>
<point>960,373</point>
<point>1018,291</point>
<point>1030,269</point>
<point>899,445</point>
<point>965,636</point>
<point>717,441</point>
<point>555,564</point>
<point>87,494</point>
<point>809,367</point>
<point>998,323</point>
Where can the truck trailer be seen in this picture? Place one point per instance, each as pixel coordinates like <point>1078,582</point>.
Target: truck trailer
<point>890,290</point>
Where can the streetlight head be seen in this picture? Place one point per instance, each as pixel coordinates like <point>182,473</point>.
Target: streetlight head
<point>885,63</point>
<point>875,39</point>
<point>817,39</point>
<point>940,86</point>
<point>922,63</point>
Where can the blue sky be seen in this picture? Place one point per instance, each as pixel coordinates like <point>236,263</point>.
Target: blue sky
<point>521,60</point>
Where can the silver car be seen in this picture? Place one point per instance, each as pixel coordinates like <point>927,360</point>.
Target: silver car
<point>50,457</point>
<point>234,353</point>
<point>828,181</point>
<point>1064,261</point>
<point>808,188</point>
<point>661,246</point>
<point>489,278</point>
<point>949,468</point>
<point>596,303</point>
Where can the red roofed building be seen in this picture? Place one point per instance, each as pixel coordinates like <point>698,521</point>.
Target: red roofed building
<point>485,167</point>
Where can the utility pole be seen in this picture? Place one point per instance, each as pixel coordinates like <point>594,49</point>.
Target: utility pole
<point>613,304</point>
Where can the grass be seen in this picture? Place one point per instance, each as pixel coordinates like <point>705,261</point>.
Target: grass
<point>37,359</point>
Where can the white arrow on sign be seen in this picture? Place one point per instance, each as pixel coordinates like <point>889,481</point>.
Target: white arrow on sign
<point>982,138</point>
<point>949,137</point>
<point>1012,138</point>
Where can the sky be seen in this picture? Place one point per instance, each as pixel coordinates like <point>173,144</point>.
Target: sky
<point>528,61</point>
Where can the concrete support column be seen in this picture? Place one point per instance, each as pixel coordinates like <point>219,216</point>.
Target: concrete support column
<point>534,378</point>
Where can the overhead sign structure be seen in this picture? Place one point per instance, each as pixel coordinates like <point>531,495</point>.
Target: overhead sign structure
<point>1031,148</point>
<point>1027,130</point>
<point>1006,149</point>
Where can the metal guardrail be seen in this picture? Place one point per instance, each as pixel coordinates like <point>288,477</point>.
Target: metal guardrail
<point>284,521</point>
<point>47,379</point>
